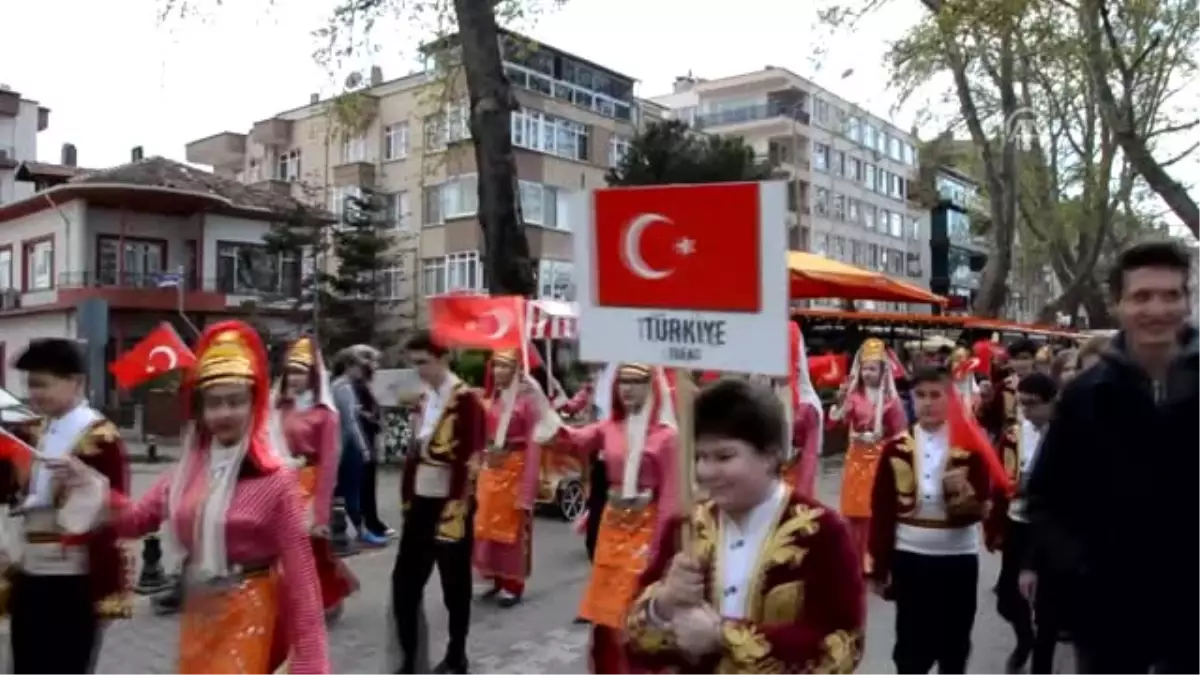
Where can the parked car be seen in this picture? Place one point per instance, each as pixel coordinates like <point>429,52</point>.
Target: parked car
<point>15,415</point>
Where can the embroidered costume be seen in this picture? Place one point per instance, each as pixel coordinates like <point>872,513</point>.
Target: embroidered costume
<point>65,580</point>
<point>787,588</point>
<point>508,483</point>
<point>804,428</point>
<point>930,495</point>
<point>436,497</point>
<point>237,513</point>
<point>639,449</point>
<point>872,415</point>
<point>311,443</point>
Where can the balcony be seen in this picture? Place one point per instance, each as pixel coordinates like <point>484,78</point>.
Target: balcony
<point>750,113</point>
<point>162,290</point>
<point>225,150</point>
<point>354,174</point>
<point>10,103</point>
<point>275,133</point>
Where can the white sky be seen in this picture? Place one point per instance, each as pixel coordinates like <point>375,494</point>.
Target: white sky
<point>114,77</point>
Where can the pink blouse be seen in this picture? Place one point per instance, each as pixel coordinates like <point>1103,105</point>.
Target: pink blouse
<point>519,438</point>
<point>859,414</point>
<point>264,525</point>
<point>659,469</point>
<point>314,435</point>
<point>806,438</point>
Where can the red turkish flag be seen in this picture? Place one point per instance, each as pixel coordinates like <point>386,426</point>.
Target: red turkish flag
<point>987,351</point>
<point>966,433</point>
<point>686,247</point>
<point>898,371</point>
<point>17,451</point>
<point>828,370</point>
<point>158,353</point>
<point>478,321</point>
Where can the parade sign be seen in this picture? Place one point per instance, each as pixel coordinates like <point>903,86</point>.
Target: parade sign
<point>686,276</point>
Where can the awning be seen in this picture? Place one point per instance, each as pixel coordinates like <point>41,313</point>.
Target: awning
<point>815,276</point>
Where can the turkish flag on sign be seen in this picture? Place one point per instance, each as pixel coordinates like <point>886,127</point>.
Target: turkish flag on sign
<point>693,247</point>
<point>828,370</point>
<point>480,321</point>
<point>158,353</point>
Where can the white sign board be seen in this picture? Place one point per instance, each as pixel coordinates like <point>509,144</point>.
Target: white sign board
<point>391,384</point>
<point>687,276</point>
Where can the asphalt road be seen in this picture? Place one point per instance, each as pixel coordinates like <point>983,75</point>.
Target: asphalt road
<point>537,636</point>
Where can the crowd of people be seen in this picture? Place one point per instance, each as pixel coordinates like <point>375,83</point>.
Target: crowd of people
<point>1077,466</point>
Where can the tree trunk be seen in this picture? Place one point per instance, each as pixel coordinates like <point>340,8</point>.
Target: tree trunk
<point>1097,306</point>
<point>507,267</point>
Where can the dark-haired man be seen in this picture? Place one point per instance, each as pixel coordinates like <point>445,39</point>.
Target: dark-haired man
<point>435,491</point>
<point>1112,496</point>
<point>801,611</point>
<point>926,507</point>
<point>65,584</point>
<point>1008,528</point>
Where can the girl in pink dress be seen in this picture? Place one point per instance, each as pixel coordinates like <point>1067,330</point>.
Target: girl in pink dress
<point>870,407</point>
<point>235,510</point>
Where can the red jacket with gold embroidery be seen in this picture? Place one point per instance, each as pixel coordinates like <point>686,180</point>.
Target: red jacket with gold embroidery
<point>807,603</point>
<point>458,436</point>
<point>101,448</point>
<point>895,498</point>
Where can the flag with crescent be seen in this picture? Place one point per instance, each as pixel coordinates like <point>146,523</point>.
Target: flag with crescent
<point>17,451</point>
<point>478,321</point>
<point>829,370</point>
<point>157,354</point>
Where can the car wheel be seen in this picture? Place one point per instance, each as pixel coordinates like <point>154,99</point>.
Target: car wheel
<point>571,499</point>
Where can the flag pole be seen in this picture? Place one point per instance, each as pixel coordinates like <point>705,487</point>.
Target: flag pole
<point>179,300</point>
<point>685,396</point>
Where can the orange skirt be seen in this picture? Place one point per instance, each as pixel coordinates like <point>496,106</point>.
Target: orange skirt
<point>497,517</point>
<point>858,479</point>
<point>622,553</point>
<point>308,482</point>
<point>230,630</point>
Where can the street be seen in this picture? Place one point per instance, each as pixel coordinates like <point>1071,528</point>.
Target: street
<point>537,636</point>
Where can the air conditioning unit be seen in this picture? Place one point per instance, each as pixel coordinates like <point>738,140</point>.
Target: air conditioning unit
<point>10,298</point>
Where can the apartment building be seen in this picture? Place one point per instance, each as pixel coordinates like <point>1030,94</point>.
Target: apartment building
<point>574,122</point>
<point>20,121</point>
<point>850,170</point>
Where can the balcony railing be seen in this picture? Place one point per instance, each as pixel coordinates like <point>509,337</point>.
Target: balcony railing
<point>750,113</point>
<point>270,287</point>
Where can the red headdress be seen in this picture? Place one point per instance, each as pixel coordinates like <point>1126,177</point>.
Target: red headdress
<point>232,352</point>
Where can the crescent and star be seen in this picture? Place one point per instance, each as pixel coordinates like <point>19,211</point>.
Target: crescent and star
<point>503,319</point>
<point>631,247</point>
<point>172,358</point>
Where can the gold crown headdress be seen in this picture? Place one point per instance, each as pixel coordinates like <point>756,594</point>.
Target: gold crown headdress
<point>228,359</point>
<point>508,357</point>
<point>633,371</point>
<point>301,354</point>
<point>872,349</point>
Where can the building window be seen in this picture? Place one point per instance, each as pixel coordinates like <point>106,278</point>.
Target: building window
<point>822,245</point>
<point>451,273</point>
<point>854,169</point>
<point>839,207</point>
<point>870,212</point>
<point>142,262</point>
<point>431,205</point>
<point>914,228</point>
<point>434,127</point>
<point>39,265</point>
<point>250,269</point>
<point>839,248</point>
<point>393,284</point>
<point>395,141</point>
<point>873,256</point>
<point>339,196</point>
<point>288,166</point>
<point>869,177</point>
<point>543,205</point>
<point>556,279</point>
<point>580,85</point>
<point>460,197</point>
<point>858,252</point>
<point>535,130</point>
<point>398,212</point>
<point>617,149</point>
<point>820,156</point>
<point>6,273</point>
<point>354,149</point>
<point>449,126</point>
<point>896,225</point>
<point>852,211</point>
<point>822,201</point>
<point>854,129</point>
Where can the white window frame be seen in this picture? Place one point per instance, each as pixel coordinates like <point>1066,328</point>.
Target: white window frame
<point>392,283</point>
<point>537,131</point>
<point>7,270</point>
<point>287,166</point>
<point>395,141</point>
<point>617,149</point>
<point>433,276</point>
<point>556,279</point>
<point>399,210</point>
<point>354,149</point>
<point>39,259</point>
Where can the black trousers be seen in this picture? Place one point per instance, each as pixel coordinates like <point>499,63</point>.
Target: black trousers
<point>935,611</point>
<point>1036,627</point>
<point>418,554</point>
<point>370,507</point>
<point>54,627</point>
<point>597,500</point>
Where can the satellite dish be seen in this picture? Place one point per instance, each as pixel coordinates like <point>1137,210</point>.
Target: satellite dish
<point>353,80</point>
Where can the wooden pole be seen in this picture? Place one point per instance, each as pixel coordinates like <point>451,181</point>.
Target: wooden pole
<point>685,396</point>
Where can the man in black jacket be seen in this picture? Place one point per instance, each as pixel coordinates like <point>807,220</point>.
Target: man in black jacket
<point>1113,494</point>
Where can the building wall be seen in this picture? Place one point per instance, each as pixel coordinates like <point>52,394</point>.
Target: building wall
<point>17,331</point>
<point>18,136</point>
<point>58,225</point>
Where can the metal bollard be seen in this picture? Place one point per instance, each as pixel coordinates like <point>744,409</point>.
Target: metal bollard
<point>152,579</point>
<point>339,535</point>
<point>152,449</point>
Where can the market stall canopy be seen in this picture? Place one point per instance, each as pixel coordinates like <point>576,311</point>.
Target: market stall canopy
<point>815,276</point>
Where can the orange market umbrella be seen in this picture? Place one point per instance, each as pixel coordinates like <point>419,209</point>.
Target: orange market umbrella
<point>815,276</point>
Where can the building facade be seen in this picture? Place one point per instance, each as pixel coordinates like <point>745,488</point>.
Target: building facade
<point>412,144</point>
<point>850,171</point>
<point>139,244</point>
<point>957,255</point>
<point>20,122</point>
